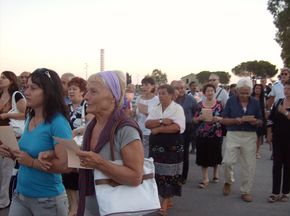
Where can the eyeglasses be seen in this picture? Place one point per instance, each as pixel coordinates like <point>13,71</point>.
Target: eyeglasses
<point>244,94</point>
<point>212,80</point>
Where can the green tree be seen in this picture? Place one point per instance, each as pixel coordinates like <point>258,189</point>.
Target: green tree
<point>159,77</point>
<point>255,68</point>
<point>202,76</point>
<point>224,76</point>
<point>280,9</point>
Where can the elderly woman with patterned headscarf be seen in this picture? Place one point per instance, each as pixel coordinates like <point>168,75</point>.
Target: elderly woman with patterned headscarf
<point>105,94</point>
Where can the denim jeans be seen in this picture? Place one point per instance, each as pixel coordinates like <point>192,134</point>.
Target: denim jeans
<point>6,169</point>
<point>47,206</point>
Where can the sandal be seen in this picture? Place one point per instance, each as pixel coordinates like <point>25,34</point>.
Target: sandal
<point>203,185</point>
<point>215,180</point>
<point>284,198</point>
<point>273,198</point>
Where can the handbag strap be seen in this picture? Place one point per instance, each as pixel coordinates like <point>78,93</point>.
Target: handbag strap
<point>13,100</point>
<point>113,183</point>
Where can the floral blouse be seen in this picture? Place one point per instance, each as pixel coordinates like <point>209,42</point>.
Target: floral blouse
<point>75,115</point>
<point>209,129</point>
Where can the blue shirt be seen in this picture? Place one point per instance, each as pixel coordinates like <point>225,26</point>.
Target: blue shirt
<point>189,106</point>
<point>33,182</point>
<point>234,109</point>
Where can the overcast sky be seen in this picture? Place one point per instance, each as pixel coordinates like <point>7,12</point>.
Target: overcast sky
<point>178,37</point>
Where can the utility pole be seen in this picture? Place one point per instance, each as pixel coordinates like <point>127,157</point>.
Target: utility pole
<point>86,70</point>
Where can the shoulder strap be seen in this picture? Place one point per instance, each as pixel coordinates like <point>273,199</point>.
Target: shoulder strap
<point>220,91</point>
<point>278,103</point>
<point>83,116</point>
<point>112,138</point>
<point>14,106</point>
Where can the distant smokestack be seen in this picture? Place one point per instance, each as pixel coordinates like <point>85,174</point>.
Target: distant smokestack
<point>102,60</point>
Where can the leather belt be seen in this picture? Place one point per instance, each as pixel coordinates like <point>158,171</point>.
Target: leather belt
<point>113,183</point>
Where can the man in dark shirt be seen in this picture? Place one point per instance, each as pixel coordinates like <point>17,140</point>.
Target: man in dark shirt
<point>189,106</point>
<point>242,116</point>
<point>266,88</point>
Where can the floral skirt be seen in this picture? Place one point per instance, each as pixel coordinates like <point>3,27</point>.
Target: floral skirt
<point>167,152</point>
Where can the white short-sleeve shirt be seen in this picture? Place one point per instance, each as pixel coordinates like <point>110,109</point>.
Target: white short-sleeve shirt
<point>174,111</point>
<point>277,91</point>
<point>141,118</point>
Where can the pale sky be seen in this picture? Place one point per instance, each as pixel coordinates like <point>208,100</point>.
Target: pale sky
<point>178,37</point>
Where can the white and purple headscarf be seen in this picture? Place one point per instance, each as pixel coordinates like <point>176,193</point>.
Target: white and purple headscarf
<point>112,81</point>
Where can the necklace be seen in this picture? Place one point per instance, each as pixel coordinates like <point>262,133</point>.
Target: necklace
<point>35,123</point>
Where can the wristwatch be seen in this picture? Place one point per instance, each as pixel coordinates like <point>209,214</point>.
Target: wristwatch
<point>161,121</point>
<point>286,113</point>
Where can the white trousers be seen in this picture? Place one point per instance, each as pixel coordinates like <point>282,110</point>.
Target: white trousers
<point>243,144</point>
<point>6,169</point>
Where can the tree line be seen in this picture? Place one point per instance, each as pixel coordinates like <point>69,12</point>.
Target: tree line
<point>254,69</point>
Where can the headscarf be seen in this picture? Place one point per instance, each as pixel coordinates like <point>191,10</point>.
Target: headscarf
<point>112,81</point>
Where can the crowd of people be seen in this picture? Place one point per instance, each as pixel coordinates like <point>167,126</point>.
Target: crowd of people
<point>163,122</point>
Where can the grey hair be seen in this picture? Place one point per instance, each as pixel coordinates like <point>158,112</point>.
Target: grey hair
<point>245,82</point>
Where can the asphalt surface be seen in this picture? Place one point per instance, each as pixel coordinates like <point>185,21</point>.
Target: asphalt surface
<point>211,202</point>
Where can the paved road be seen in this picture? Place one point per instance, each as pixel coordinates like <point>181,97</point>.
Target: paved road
<point>211,202</point>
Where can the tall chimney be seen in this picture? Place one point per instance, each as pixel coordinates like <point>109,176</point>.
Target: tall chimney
<point>102,60</point>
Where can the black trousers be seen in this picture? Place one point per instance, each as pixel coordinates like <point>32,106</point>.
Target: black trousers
<point>187,136</point>
<point>281,163</point>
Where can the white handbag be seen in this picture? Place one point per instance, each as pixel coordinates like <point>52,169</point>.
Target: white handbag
<point>121,200</point>
<point>17,125</point>
<point>114,199</point>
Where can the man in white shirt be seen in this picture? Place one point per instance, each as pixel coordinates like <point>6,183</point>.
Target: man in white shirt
<point>193,91</point>
<point>277,91</point>
<point>220,94</point>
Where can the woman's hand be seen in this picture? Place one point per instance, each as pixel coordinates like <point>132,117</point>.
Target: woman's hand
<point>44,159</point>
<point>90,159</point>
<point>42,165</point>
<point>198,119</point>
<point>46,155</point>
<point>5,151</point>
<point>4,116</point>
<point>23,158</point>
<point>217,119</point>
<point>167,121</point>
